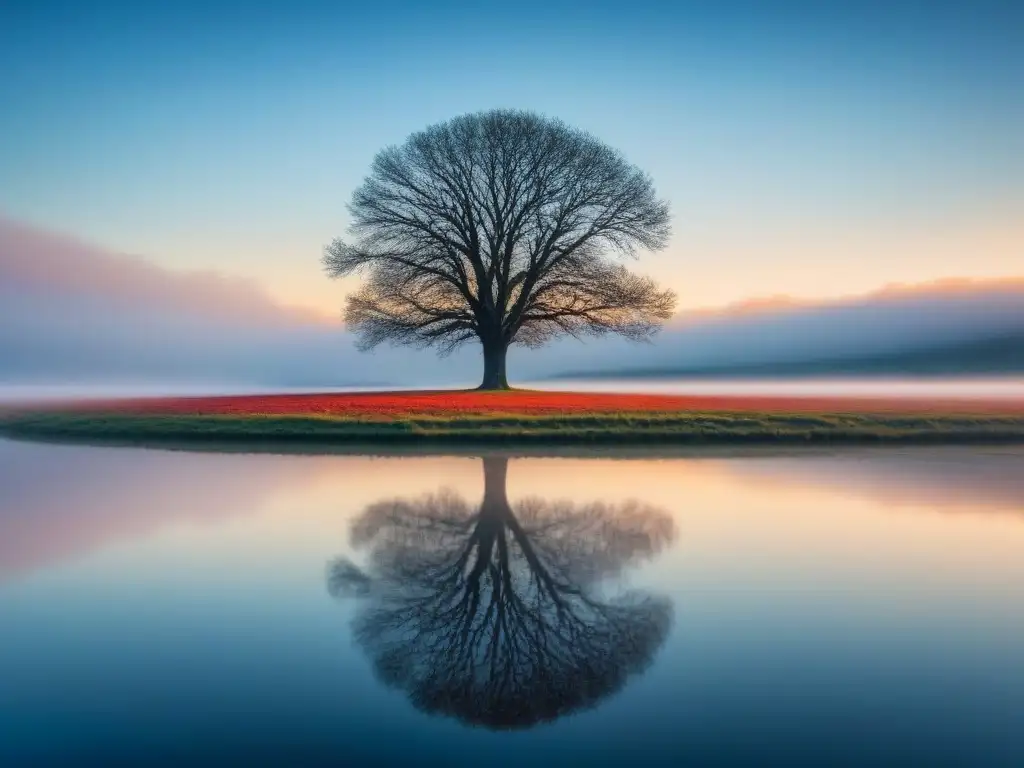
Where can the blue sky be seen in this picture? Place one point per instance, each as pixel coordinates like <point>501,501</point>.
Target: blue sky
<point>810,149</point>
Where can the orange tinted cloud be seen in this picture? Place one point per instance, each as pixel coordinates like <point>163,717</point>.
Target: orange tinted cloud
<point>36,261</point>
<point>944,288</point>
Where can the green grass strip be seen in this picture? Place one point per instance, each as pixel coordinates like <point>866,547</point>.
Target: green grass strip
<point>623,428</point>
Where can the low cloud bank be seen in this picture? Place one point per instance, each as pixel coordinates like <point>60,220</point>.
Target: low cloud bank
<point>899,320</point>
<point>72,313</point>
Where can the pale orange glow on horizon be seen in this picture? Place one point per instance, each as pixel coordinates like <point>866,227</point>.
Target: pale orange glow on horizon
<point>742,269</point>
<point>721,273</point>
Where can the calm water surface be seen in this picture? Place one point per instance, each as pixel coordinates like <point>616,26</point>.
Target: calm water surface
<point>858,606</point>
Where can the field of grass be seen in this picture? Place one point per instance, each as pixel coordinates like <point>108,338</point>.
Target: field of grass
<point>517,417</point>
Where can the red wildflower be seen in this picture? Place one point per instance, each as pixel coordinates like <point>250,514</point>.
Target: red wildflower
<point>448,403</point>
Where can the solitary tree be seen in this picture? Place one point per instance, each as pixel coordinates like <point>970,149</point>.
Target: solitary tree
<point>502,227</point>
<point>496,613</point>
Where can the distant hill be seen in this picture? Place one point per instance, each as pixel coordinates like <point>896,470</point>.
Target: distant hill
<point>998,355</point>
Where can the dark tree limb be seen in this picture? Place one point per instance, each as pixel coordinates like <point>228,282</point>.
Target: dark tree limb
<point>501,227</point>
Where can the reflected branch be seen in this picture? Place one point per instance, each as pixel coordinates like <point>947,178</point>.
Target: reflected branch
<point>495,614</point>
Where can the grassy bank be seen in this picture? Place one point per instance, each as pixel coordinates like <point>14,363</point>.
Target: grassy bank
<point>630,428</point>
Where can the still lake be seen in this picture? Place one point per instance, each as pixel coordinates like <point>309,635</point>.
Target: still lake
<point>801,607</point>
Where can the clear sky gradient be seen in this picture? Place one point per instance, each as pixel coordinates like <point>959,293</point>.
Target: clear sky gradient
<point>813,150</point>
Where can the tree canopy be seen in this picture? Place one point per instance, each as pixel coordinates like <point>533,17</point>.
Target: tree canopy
<point>501,227</point>
<point>495,614</point>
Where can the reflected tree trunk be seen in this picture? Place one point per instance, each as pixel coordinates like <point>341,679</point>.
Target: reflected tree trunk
<point>496,614</point>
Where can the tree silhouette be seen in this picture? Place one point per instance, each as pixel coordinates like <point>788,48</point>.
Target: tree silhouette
<point>500,227</point>
<point>494,615</point>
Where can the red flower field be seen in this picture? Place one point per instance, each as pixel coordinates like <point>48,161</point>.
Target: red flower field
<point>389,405</point>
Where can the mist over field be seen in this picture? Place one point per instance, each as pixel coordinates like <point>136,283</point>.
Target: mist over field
<point>945,327</point>
<point>72,313</point>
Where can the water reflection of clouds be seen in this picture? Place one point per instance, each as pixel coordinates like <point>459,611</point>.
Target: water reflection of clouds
<point>60,502</point>
<point>977,479</point>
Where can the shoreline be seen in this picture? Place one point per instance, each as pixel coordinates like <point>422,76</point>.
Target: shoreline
<point>627,430</point>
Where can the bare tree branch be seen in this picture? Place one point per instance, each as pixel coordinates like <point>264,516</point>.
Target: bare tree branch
<point>503,227</point>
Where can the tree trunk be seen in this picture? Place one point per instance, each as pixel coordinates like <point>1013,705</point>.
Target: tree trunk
<point>494,365</point>
<point>495,486</point>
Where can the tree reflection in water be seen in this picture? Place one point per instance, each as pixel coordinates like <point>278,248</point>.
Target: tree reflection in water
<point>495,615</point>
